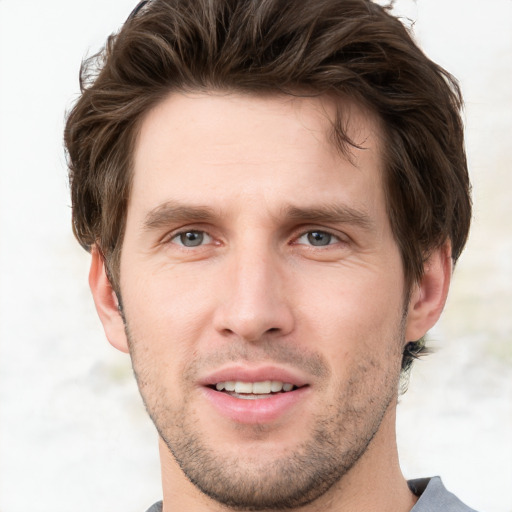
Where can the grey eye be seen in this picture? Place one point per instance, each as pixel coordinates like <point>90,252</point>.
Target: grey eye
<point>319,238</point>
<point>191,238</point>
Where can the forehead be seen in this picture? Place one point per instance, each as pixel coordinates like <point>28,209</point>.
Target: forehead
<point>220,145</point>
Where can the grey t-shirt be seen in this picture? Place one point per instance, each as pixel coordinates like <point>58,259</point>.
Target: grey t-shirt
<point>157,507</point>
<point>433,497</point>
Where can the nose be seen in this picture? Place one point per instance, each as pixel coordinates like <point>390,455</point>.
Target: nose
<point>252,302</point>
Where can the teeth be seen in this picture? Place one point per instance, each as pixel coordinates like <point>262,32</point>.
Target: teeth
<point>276,386</point>
<point>257,388</point>
<point>243,387</point>
<point>262,388</point>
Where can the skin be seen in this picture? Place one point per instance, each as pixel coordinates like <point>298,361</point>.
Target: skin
<point>257,184</point>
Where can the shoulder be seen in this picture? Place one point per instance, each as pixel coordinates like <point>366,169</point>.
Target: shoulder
<point>157,507</point>
<point>434,496</point>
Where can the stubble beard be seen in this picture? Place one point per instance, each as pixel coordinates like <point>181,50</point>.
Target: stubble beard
<point>288,482</point>
<point>337,442</point>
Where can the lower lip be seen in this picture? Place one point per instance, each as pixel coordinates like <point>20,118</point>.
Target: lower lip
<point>260,410</point>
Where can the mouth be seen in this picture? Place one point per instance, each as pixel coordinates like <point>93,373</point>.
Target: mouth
<point>260,395</point>
<point>254,390</point>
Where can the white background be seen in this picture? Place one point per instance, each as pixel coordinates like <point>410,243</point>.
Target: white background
<point>73,433</point>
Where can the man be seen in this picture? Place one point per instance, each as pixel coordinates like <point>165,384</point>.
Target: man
<point>274,194</point>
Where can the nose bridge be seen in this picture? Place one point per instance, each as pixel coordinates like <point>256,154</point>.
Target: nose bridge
<point>255,276</point>
<point>254,299</point>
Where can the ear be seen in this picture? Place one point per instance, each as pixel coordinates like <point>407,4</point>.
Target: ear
<point>428,296</point>
<point>106,302</point>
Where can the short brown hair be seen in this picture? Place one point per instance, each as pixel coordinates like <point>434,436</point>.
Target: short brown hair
<point>352,48</point>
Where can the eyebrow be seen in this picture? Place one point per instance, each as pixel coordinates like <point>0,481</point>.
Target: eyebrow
<point>170,212</point>
<point>332,214</point>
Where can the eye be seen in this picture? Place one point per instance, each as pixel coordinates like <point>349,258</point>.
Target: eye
<point>318,238</point>
<point>191,238</point>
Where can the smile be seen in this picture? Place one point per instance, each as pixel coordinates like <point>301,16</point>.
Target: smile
<point>254,390</point>
<point>255,395</point>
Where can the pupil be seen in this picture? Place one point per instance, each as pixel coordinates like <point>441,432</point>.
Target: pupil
<point>319,238</point>
<point>192,238</point>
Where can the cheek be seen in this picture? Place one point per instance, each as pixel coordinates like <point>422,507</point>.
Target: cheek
<point>353,317</point>
<point>351,302</point>
<point>165,320</point>
<point>167,297</point>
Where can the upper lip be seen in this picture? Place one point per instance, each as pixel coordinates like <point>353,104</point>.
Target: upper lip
<point>254,374</point>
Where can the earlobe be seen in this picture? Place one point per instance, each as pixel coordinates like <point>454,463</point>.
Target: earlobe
<point>106,302</point>
<point>428,296</point>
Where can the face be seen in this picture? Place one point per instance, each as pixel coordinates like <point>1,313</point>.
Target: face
<point>263,294</point>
